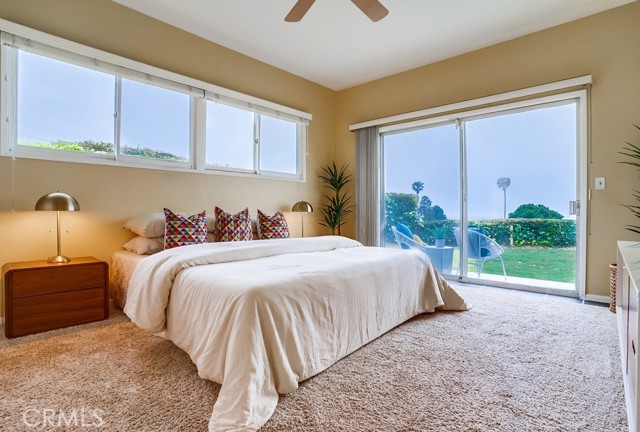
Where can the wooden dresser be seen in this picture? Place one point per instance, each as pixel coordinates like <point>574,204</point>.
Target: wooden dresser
<point>39,296</point>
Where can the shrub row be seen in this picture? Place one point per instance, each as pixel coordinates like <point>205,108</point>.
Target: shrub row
<point>507,232</point>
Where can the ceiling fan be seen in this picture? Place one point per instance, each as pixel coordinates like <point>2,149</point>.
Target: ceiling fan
<point>371,8</point>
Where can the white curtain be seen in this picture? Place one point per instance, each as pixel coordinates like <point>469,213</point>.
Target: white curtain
<point>368,186</point>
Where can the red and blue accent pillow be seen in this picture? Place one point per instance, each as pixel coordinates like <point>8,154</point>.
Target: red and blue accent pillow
<point>235,227</point>
<point>272,227</point>
<point>184,230</point>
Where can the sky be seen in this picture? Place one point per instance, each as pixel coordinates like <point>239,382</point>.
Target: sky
<point>535,149</point>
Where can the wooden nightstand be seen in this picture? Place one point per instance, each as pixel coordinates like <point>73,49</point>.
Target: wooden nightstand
<point>39,296</point>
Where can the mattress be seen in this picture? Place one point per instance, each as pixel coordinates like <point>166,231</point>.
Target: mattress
<point>122,265</point>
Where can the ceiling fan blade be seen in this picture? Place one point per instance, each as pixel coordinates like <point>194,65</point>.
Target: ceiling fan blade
<point>372,8</point>
<point>298,10</point>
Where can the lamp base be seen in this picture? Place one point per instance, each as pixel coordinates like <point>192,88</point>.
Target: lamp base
<point>58,259</point>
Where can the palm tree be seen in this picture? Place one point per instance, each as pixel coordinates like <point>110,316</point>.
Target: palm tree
<point>503,183</point>
<point>418,187</point>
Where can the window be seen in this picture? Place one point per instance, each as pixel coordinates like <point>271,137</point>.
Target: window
<point>242,140</point>
<point>63,106</point>
<point>65,101</point>
<point>154,122</point>
<point>278,149</point>
<point>229,137</point>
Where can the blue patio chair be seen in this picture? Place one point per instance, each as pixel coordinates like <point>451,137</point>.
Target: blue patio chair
<point>481,248</point>
<point>405,241</point>
<point>441,257</point>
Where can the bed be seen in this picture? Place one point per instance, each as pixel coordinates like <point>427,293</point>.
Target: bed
<point>258,317</point>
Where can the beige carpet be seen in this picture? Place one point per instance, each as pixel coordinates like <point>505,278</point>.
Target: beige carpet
<point>515,362</point>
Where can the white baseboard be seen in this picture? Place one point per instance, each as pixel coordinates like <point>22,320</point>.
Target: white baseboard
<point>597,298</point>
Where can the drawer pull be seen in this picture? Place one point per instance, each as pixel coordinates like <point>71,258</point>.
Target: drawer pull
<point>633,347</point>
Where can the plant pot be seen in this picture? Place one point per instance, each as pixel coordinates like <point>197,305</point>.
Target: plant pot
<point>439,242</point>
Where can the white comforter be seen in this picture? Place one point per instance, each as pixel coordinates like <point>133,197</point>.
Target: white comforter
<point>261,316</point>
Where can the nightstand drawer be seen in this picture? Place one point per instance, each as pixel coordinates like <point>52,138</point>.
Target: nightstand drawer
<point>35,282</point>
<point>51,311</point>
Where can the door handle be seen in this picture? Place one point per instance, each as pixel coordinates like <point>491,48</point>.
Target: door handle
<point>574,207</point>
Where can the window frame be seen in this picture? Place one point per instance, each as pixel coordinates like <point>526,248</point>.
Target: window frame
<point>15,36</point>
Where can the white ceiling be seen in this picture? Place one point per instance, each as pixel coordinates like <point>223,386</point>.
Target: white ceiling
<point>337,46</point>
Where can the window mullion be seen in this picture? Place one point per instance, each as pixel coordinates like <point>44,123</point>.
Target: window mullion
<point>301,147</point>
<point>116,117</point>
<point>461,126</point>
<point>256,142</point>
<point>198,132</point>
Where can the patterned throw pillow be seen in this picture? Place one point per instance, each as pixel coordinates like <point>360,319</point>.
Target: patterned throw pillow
<point>235,227</point>
<point>181,231</point>
<point>272,227</point>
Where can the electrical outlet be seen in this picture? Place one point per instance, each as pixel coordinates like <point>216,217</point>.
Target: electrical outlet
<point>600,183</point>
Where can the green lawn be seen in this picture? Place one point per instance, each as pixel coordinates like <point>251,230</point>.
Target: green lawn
<point>554,264</point>
<point>542,263</point>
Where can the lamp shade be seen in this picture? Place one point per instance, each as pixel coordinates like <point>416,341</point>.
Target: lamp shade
<point>57,201</point>
<point>302,207</point>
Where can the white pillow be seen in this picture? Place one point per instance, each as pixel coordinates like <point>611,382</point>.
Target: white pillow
<point>152,224</point>
<point>147,225</point>
<point>144,245</point>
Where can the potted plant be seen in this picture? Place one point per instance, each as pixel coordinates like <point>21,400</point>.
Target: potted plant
<point>439,232</point>
<point>633,152</point>
<point>335,211</point>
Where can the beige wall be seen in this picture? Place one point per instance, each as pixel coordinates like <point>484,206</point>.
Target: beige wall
<point>604,45</point>
<point>110,195</point>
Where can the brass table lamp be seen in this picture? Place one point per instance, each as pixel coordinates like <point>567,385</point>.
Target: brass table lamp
<point>302,207</point>
<point>57,202</point>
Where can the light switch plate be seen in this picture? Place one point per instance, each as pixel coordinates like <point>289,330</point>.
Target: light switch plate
<point>600,183</point>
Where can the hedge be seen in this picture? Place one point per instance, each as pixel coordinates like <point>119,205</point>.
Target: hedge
<point>507,232</point>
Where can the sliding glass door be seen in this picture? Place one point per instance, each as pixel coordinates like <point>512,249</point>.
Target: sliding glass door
<point>492,196</point>
<point>521,179</point>
<point>422,190</point>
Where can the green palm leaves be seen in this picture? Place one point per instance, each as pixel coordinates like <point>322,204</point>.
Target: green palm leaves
<point>334,213</point>
<point>633,152</point>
